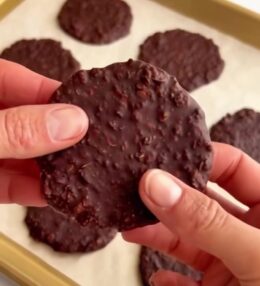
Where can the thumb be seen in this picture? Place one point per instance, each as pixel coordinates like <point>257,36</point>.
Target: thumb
<point>30,131</point>
<point>201,221</point>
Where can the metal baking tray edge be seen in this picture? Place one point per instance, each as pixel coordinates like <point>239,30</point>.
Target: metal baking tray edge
<point>222,15</point>
<point>28,269</point>
<point>6,6</point>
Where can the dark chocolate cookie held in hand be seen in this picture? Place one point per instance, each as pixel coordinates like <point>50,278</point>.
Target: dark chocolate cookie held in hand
<point>140,118</point>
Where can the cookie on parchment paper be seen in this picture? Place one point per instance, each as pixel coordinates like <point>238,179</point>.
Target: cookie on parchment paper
<point>44,56</point>
<point>64,234</point>
<point>151,261</point>
<point>193,59</point>
<point>96,21</point>
<point>240,129</point>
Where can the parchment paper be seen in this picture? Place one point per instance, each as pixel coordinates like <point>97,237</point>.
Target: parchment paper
<point>237,87</point>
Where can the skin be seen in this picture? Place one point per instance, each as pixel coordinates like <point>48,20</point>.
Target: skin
<point>205,231</point>
<point>30,128</point>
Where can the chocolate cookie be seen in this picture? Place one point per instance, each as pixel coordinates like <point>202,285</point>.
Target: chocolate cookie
<point>140,118</point>
<point>191,58</point>
<point>241,129</point>
<point>64,234</point>
<point>45,56</point>
<point>151,261</point>
<point>96,21</point>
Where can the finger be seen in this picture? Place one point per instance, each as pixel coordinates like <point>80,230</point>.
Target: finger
<point>155,236</point>
<point>162,239</point>
<point>168,278</point>
<point>227,204</point>
<point>28,167</point>
<point>19,188</point>
<point>232,169</point>
<point>20,86</point>
<point>218,274</point>
<point>252,217</point>
<point>2,106</point>
<point>31,131</point>
<point>201,221</point>
<point>159,237</point>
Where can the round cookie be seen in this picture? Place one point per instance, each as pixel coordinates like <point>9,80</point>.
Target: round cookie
<point>241,129</point>
<point>140,118</point>
<point>64,234</point>
<point>151,261</point>
<point>45,56</point>
<point>191,58</point>
<point>96,21</point>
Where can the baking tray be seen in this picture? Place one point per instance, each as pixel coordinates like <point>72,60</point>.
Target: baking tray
<point>31,263</point>
<point>230,18</point>
<point>26,268</point>
<point>7,6</point>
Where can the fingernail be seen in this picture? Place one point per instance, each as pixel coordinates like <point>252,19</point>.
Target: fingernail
<point>162,189</point>
<point>66,123</point>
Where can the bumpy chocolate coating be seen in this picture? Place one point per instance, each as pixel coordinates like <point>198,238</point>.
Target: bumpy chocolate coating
<point>151,261</point>
<point>44,56</point>
<point>191,58</point>
<point>96,21</point>
<point>63,233</point>
<point>241,129</point>
<point>140,118</point>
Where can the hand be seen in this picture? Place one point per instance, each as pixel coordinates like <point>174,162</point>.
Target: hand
<point>217,238</point>
<point>29,129</point>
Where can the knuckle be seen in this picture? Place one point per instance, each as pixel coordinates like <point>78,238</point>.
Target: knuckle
<point>205,215</point>
<point>20,134</point>
<point>214,216</point>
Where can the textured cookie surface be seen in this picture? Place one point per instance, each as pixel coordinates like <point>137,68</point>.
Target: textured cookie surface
<point>151,261</point>
<point>96,21</point>
<point>45,56</point>
<point>241,129</point>
<point>64,234</point>
<point>140,118</point>
<point>191,58</point>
